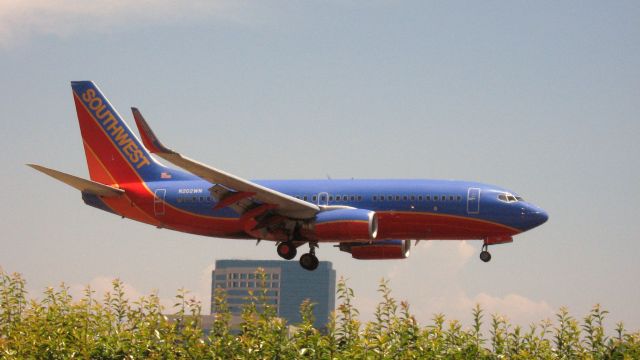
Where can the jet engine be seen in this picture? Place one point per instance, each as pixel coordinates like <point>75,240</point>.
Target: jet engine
<point>342,224</point>
<point>378,250</point>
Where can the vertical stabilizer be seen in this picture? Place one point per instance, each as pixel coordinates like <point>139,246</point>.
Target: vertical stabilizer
<point>114,154</point>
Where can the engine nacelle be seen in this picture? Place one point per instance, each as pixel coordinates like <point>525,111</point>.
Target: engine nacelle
<point>378,250</point>
<point>343,225</point>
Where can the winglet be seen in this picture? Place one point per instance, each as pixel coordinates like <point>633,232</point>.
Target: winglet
<point>86,186</point>
<point>149,139</point>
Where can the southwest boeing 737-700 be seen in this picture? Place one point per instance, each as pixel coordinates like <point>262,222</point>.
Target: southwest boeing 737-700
<point>371,219</point>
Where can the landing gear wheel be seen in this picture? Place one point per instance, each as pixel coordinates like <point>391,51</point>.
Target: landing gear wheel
<point>309,262</point>
<point>485,256</point>
<point>287,250</point>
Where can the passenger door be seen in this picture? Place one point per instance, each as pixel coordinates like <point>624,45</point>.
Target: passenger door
<point>473,201</point>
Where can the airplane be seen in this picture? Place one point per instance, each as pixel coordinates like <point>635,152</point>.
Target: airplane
<point>370,219</point>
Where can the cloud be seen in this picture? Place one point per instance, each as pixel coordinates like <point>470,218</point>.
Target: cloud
<point>21,19</point>
<point>434,284</point>
<point>203,292</point>
<point>100,285</point>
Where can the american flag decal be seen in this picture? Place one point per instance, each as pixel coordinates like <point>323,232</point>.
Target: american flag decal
<point>165,175</point>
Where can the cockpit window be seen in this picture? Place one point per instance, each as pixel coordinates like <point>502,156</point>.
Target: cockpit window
<point>506,197</point>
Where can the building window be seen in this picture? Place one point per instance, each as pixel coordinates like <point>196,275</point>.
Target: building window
<point>276,276</point>
<point>243,284</point>
<point>274,284</point>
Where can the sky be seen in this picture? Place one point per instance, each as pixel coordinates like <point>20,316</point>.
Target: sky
<point>539,97</point>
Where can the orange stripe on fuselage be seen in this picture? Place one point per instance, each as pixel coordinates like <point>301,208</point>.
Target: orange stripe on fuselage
<point>122,205</point>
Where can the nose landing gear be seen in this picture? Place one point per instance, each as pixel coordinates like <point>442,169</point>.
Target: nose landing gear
<point>485,255</point>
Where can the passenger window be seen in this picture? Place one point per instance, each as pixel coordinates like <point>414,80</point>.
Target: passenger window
<point>337,197</point>
<point>413,198</point>
<point>397,197</point>
<point>435,198</point>
<point>389,197</point>
<point>405,198</point>
<point>450,197</point>
<point>375,198</point>
<point>359,198</point>
<point>315,198</point>
<point>419,197</point>
<point>459,198</point>
<point>305,198</point>
<point>331,198</point>
<point>353,198</point>
<point>428,197</point>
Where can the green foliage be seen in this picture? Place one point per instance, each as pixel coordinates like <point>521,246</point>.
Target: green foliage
<point>60,327</point>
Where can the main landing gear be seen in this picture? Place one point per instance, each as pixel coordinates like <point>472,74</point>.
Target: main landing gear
<point>287,250</point>
<point>309,261</point>
<point>485,255</point>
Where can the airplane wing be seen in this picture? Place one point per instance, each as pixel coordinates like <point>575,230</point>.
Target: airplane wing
<point>86,186</point>
<point>286,205</point>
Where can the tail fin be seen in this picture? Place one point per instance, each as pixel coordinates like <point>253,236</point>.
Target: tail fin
<point>114,154</point>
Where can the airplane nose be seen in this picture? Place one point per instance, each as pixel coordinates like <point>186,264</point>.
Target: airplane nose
<point>535,217</point>
<point>541,217</point>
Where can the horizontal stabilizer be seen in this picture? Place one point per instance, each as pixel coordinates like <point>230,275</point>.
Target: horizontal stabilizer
<point>86,186</point>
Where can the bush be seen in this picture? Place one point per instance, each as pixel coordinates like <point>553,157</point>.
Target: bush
<point>59,327</point>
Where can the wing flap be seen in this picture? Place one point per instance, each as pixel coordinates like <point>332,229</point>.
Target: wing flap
<point>85,186</point>
<point>286,205</point>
